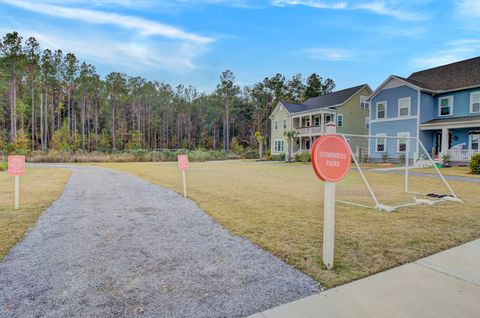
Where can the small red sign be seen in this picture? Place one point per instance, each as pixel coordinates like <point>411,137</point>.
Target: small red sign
<point>331,158</point>
<point>183,162</point>
<point>16,165</point>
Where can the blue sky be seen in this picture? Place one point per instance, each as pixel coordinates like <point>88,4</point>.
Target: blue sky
<point>192,42</point>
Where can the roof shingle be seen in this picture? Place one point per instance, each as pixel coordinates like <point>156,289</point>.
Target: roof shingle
<point>449,77</point>
<point>324,101</point>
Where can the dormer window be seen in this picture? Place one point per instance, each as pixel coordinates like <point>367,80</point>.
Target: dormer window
<point>445,106</point>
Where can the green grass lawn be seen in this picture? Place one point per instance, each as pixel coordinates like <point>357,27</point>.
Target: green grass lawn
<point>280,207</point>
<point>38,189</point>
<point>452,171</point>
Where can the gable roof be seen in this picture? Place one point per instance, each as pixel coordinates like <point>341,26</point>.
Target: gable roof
<point>449,77</point>
<point>324,101</point>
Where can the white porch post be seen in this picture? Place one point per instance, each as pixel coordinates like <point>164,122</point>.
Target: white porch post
<point>322,122</point>
<point>445,140</point>
<point>310,122</point>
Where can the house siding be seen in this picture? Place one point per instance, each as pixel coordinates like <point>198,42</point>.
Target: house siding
<point>278,134</point>
<point>391,96</point>
<point>392,129</point>
<point>461,103</point>
<point>353,115</point>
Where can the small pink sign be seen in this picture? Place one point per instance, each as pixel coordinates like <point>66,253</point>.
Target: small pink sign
<point>16,165</point>
<point>183,162</point>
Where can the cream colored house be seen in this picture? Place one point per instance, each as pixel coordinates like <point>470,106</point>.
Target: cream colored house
<point>348,108</point>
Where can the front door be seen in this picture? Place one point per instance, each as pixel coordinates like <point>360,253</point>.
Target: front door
<point>438,144</point>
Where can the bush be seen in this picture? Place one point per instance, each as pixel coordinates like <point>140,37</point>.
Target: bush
<point>384,157</point>
<point>3,166</point>
<point>475,164</point>
<point>251,154</point>
<point>280,157</point>
<point>303,156</point>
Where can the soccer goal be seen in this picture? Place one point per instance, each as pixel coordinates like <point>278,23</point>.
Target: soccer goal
<point>391,172</point>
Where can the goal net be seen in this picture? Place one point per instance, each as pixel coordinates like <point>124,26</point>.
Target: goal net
<point>391,172</point>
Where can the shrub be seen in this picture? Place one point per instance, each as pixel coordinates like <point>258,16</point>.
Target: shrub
<point>446,159</point>
<point>303,156</point>
<point>402,158</point>
<point>236,147</point>
<point>475,164</point>
<point>3,166</point>
<point>250,154</point>
<point>280,157</point>
<point>384,157</point>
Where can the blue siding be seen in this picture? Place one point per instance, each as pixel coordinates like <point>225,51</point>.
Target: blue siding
<point>461,103</point>
<point>392,128</point>
<point>427,138</point>
<point>392,95</point>
<point>428,110</point>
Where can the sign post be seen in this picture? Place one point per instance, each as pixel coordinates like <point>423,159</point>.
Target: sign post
<point>16,168</point>
<point>331,160</point>
<point>183,165</point>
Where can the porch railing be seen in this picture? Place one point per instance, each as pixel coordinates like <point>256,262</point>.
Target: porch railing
<point>461,154</point>
<point>310,130</point>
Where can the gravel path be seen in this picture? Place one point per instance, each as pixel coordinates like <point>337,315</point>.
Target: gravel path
<point>114,245</point>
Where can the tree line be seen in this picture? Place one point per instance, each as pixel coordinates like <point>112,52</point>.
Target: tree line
<point>51,100</point>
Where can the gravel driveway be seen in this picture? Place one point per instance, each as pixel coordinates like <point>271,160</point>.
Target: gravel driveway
<point>114,245</point>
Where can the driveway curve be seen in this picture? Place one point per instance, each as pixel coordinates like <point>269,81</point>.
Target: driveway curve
<point>114,245</point>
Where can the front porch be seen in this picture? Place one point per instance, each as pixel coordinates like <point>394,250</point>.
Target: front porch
<point>458,140</point>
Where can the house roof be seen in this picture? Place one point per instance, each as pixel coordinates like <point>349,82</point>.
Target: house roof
<point>449,77</point>
<point>324,101</point>
<point>453,120</point>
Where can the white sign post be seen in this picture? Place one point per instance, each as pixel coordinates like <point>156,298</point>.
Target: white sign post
<point>183,165</point>
<point>331,161</point>
<point>16,168</point>
<point>329,214</point>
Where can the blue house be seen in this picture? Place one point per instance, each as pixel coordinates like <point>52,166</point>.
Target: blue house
<point>440,105</point>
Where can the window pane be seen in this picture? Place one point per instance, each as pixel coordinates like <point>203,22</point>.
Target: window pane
<point>476,107</point>
<point>445,111</point>
<point>404,111</point>
<point>444,102</point>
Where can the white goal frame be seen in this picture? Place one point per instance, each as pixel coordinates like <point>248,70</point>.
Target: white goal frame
<point>389,208</point>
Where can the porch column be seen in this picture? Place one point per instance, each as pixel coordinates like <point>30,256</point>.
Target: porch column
<point>445,140</point>
<point>310,142</point>
<point>311,123</point>
<point>322,122</point>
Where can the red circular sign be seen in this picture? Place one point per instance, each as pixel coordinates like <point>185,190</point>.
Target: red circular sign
<point>331,158</point>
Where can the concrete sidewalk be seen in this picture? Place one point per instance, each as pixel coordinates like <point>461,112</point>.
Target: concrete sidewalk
<point>442,285</point>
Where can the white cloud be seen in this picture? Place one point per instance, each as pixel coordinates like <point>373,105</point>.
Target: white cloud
<point>328,54</point>
<point>469,8</point>
<point>376,6</point>
<point>143,26</point>
<point>128,55</point>
<point>454,51</point>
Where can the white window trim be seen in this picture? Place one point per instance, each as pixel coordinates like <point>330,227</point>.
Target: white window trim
<point>409,106</point>
<point>343,118</point>
<point>398,140</point>
<point>275,124</point>
<point>471,102</point>
<point>450,98</point>
<point>376,110</point>
<point>470,140</point>
<point>277,143</point>
<point>365,102</point>
<point>377,136</point>
<point>284,123</point>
